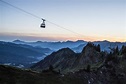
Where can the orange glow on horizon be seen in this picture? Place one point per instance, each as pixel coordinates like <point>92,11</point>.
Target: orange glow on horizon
<point>62,37</point>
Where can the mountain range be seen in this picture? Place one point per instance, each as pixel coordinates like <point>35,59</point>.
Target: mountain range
<point>20,54</point>
<point>24,54</point>
<point>76,46</point>
<point>90,66</point>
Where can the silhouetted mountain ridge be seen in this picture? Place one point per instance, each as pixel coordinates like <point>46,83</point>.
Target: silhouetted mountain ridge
<point>66,59</point>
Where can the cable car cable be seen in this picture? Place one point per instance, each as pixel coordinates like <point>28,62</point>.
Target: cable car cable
<point>20,9</point>
<point>39,17</point>
<point>64,28</point>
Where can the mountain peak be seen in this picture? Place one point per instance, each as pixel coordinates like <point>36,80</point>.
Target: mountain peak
<point>18,41</point>
<point>80,41</point>
<point>57,59</point>
<point>38,41</point>
<point>67,50</point>
<point>91,46</point>
<point>105,41</point>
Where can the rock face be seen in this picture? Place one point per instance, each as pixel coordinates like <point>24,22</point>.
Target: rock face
<point>89,55</point>
<point>67,60</point>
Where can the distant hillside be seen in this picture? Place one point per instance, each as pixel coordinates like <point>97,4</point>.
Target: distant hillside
<point>19,54</point>
<point>76,46</point>
<point>53,45</point>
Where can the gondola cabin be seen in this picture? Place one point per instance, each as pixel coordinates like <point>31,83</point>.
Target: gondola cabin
<point>43,24</point>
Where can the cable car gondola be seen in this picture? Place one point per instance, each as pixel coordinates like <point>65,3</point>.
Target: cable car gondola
<point>43,24</point>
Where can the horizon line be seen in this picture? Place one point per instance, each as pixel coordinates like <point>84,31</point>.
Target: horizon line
<point>54,38</point>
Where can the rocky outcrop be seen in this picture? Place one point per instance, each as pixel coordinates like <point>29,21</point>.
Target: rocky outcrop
<point>90,55</point>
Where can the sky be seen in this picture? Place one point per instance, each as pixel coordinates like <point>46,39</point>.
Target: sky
<point>90,20</point>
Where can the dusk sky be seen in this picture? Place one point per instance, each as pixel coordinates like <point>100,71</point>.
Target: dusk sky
<point>90,20</point>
